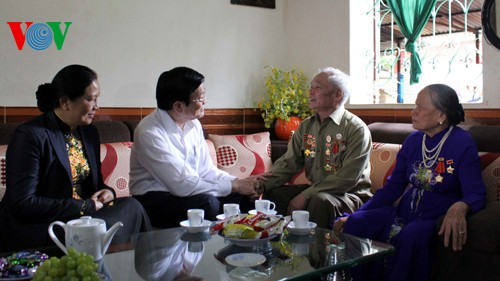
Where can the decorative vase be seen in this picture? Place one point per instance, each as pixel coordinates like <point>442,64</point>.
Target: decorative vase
<point>283,128</point>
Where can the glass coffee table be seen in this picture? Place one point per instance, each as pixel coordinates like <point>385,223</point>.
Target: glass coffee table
<point>172,253</point>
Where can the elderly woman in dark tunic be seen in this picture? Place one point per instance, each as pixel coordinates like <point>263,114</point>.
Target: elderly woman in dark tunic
<point>54,170</point>
<point>437,173</point>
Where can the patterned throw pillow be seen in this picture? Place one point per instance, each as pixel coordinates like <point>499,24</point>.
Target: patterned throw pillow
<point>115,159</point>
<point>243,155</point>
<point>382,161</point>
<point>211,151</point>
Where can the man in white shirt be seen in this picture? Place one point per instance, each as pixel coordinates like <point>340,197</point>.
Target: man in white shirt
<point>170,167</point>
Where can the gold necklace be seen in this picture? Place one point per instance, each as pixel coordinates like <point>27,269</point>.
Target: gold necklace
<point>429,161</point>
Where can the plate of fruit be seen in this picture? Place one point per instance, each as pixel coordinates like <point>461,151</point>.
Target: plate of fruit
<point>248,230</point>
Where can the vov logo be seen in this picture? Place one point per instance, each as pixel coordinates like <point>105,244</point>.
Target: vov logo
<point>39,36</point>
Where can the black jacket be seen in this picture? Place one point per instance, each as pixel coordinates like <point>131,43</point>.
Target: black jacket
<point>39,185</point>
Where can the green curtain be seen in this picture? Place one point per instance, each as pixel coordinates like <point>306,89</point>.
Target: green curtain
<point>411,17</point>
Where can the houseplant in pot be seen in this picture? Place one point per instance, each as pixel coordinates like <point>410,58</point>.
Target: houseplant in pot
<point>287,101</point>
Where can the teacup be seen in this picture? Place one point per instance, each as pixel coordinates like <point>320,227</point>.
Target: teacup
<point>300,219</point>
<point>231,209</point>
<point>196,217</point>
<point>264,206</point>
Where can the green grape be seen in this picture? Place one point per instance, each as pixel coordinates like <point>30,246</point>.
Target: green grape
<point>53,272</point>
<point>74,266</point>
<point>41,274</point>
<point>71,264</point>
<point>71,273</point>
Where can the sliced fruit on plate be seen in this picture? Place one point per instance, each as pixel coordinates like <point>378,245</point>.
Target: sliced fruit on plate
<point>252,226</point>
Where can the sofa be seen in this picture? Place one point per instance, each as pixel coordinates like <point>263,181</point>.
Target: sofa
<point>243,155</point>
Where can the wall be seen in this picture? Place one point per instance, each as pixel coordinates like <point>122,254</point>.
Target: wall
<point>129,43</point>
<point>317,34</point>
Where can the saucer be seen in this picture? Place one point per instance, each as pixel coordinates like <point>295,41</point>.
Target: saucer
<point>247,273</point>
<point>270,212</point>
<point>222,217</point>
<point>245,259</point>
<point>195,229</point>
<point>301,231</point>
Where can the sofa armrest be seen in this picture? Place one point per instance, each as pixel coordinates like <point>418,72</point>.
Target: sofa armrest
<point>483,230</point>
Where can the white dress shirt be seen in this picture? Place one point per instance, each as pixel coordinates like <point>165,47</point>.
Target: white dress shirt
<point>167,158</point>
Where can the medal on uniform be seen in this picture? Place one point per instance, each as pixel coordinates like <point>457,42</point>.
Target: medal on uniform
<point>439,178</point>
<point>440,169</point>
<point>327,167</point>
<point>450,169</point>
<point>309,145</point>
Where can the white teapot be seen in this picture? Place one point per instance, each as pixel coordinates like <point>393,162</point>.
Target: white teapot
<point>86,235</point>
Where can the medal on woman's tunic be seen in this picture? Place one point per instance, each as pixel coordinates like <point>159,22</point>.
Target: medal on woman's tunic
<point>440,169</point>
<point>450,169</point>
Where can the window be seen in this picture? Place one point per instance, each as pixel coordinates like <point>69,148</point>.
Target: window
<point>450,49</point>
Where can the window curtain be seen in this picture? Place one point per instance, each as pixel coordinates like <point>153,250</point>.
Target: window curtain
<point>411,17</point>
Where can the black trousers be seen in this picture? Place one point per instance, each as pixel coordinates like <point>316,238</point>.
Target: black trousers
<point>166,210</point>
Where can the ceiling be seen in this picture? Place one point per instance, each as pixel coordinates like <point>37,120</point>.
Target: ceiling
<point>458,20</point>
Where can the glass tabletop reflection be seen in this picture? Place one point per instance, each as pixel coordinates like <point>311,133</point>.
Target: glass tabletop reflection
<point>175,253</point>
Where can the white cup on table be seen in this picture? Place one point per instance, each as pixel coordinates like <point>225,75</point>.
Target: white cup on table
<point>196,217</point>
<point>264,206</point>
<point>300,219</point>
<point>231,209</point>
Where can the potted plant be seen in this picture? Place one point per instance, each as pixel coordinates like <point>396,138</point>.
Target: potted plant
<point>287,101</point>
